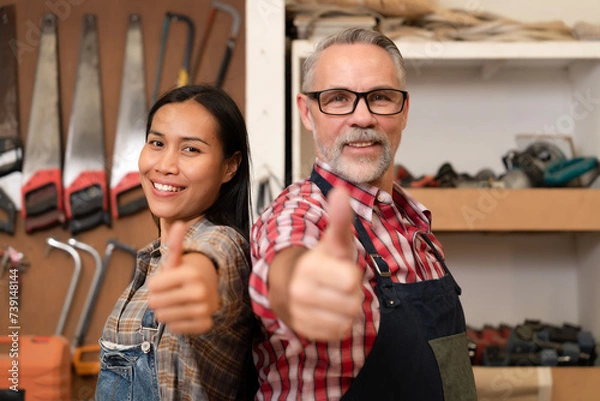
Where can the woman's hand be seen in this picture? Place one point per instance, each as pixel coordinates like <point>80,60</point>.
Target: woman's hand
<point>184,291</point>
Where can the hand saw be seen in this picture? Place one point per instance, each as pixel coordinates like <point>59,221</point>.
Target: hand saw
<point>129,139</point>
<point>41,193</point>
<point>11,151</point>
<point>84,175</point>
<point>184,71</point>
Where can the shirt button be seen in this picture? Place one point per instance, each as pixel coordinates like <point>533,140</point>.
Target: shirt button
<point>381,198</point>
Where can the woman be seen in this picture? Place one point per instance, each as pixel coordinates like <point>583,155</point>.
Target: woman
<point>194,169</point>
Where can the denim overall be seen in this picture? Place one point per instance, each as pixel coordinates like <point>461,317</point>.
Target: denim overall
<point>129,373</point>
<point>420,353</point>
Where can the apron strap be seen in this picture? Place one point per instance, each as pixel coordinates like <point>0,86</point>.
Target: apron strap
<point>381,267</point>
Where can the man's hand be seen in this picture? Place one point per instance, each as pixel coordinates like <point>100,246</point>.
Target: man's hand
<point>183,293</point>
<point>324,293</point>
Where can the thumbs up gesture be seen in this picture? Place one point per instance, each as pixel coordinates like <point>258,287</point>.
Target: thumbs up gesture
<point>183,292</point>
<point>324,290</point>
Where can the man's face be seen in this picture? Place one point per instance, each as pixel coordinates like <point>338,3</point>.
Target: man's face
<point>358,146</point>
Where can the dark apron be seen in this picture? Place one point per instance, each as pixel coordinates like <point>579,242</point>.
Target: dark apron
<point>130,373</point>
<point>420,353</point>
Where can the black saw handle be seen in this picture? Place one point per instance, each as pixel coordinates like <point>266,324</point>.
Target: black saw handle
<point>85,223</point>
<point>9,208</point>
<point>45,220</point>
<point>132,207</point>
<point>11,155</point>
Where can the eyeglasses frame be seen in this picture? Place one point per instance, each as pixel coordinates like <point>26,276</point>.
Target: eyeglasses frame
<point>359,95</point>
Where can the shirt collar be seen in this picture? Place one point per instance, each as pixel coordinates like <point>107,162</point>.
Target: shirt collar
<point>364,197</point>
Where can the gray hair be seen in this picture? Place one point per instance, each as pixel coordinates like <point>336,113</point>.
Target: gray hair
<point>351,36</point>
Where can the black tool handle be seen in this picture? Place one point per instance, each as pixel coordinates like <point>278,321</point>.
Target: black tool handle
<point>225,63</point>
<point>41,200</point>
<point>86,201</point>
<point>132,206</point>
<point>10,146</point>
<point>85,223</point>
<point>44,220</point>
<point>9,208</point>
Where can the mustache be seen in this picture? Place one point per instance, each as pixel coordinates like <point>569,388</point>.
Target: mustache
<point>362,135</point>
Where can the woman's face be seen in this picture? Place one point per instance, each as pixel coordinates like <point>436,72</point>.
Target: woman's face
<point>182,165</point>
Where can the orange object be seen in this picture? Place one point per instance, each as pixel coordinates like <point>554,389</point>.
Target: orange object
<point>85,368</point>
<point>39,365</point>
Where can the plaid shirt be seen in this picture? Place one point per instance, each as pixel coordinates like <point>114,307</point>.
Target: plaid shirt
<point>200,367</point>
<point>291,368</point>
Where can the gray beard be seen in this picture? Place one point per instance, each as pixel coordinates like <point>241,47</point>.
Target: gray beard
<point>357,170</point>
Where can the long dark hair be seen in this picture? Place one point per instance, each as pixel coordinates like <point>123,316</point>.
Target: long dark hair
<point>232,206</point>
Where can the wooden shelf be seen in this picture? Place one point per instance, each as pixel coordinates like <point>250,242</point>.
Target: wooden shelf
<point>541,54</point>
<point>566,383</point>
<point>543,209</point>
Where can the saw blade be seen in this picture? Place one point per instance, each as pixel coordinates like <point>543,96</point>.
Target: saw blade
<point>130,135</point>
<point>42,184</point>
<point>84,175</point>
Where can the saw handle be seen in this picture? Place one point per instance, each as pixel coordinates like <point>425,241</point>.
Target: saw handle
<point>86,202</point>
<point>8,207</point>
<point>79,225</point>
<point>132,207</point>
<point>225,63</point>
<point>44,220</point>
<point>128,185</point>
<point>11,155</point>
<point>41,200</point>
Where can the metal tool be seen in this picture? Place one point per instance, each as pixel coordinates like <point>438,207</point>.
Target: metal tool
<point>92,367</point>
<point>202,47</point>
<point>235,28</point>
<point>84,176</point>
<point>74,280</point>
<point>42,192</point>
<point>84,319</point>
<point>11,150</point>
<point>543,164</point>
<point>129,139</point>
<point>184,71</point>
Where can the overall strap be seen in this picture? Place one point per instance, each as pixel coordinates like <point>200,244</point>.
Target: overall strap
<point>149,330</point>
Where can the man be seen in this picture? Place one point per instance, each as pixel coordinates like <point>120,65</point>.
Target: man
<point>365,308</point>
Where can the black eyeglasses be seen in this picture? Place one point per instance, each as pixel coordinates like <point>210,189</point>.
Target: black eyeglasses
<point>338,102</point>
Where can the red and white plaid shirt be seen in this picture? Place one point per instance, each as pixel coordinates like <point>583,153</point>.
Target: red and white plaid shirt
<point>290,368</point>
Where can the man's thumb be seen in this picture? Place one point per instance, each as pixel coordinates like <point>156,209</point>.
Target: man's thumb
<point>338,239</point>
<point>175,245</point>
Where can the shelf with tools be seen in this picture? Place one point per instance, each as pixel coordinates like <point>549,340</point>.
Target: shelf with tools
<point>468,102</point>
<point>509,210</point>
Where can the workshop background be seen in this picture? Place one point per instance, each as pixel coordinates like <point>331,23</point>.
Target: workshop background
<point>45,282</point>
<point>518,255</point>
